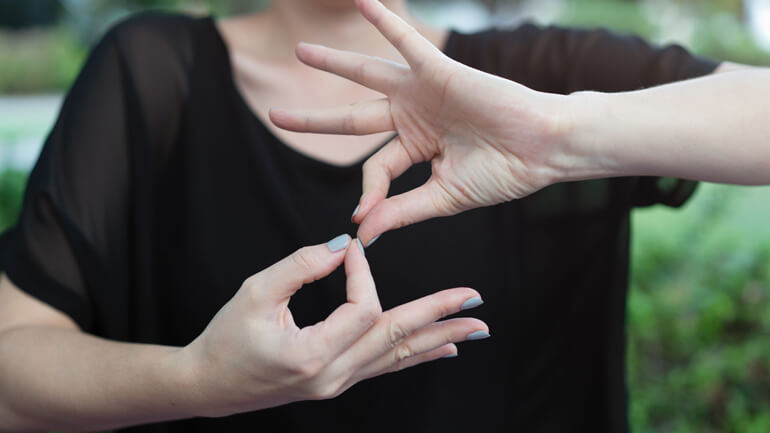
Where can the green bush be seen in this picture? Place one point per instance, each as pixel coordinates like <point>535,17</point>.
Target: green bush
<point>36,61</point>
<point>11,191</point>
<point>699,316</point>
<point>719,32</point>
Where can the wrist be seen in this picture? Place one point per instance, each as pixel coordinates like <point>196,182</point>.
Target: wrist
<point>194,385</point>
<point>210,391</point>
<point>581,139</point>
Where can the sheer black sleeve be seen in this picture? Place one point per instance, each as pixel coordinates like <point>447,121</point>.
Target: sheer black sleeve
<point>72,245</point>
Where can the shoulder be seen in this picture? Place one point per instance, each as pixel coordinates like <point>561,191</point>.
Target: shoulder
<point>155,27</point>
<point>529,35</point>
<point>156,36</point>
<point>488,37</point>
<point>506,51</point>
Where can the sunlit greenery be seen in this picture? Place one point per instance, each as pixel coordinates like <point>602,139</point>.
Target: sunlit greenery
<point>11,188</point>
<point>699,314</point>
<point>34,60</point>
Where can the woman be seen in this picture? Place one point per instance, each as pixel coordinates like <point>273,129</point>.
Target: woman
<point>162,189</point>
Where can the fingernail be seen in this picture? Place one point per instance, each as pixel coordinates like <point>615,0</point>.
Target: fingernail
<point>355,212</point>
<point>373,241</point>
<point>471,303</point>
<point>339,243</point>
<point>360,247</point>
<point>451,355</point>
<point>478,335</point>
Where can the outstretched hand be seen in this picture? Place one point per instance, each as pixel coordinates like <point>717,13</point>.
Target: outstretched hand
<point>489,140</point>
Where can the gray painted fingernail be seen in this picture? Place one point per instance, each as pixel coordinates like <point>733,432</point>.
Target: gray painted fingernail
<point>478,335</point>
<point>471,303</point>
<point>451,355</point>
<point>373,241</point>
<point>355,211</point>
<point>360,247</point>
<point>339,243</point>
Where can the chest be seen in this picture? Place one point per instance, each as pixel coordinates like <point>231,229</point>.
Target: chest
<point>234,199</point>
<point>263,85</point>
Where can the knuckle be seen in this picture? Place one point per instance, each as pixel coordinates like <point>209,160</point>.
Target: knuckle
<point>371,165</point>
<point>249,283</point>
<point>305,260</point>
<point>443,305</point>
<point>395,333</point>
<point>349,122</point>
<point>308,368</point>
<point>362,71</point>
<point>370,314</point>
<point>325,390</point>
<point>445,201</point>
<point>252,287</point>
<point>402,352</point>
<point>304,362</point>
<point>402,38</point>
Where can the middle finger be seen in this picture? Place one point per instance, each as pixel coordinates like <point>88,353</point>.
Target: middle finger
<point>398,323</point>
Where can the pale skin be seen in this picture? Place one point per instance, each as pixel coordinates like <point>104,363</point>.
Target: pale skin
<point>490,140</point>
<point>54,376</point>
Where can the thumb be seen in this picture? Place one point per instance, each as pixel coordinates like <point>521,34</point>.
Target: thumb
<point>304,266</point>
<point>425,202</point>
<point>379,170</point>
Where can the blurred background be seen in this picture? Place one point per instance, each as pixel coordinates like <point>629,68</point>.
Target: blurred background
<point>699,309</point>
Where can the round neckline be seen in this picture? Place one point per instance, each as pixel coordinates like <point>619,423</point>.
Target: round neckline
<point>260,123</point>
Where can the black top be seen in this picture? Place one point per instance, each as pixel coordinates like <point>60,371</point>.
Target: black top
<point>158,192</point>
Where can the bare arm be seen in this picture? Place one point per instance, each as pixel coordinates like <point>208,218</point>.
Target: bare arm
<point>710,129</point>
<point>251,356</point>
<point>52,375</point>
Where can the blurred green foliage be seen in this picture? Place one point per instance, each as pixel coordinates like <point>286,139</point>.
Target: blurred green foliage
<point>11,190</point>
<point>699,315</point>
<point>715,28</point>
<point>39,61</point>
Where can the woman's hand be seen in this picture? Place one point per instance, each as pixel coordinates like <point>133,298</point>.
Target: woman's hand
<point>252,355</point>
<point>489,140</point>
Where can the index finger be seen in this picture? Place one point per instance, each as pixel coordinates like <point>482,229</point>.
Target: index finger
<point>350,320</point>
<point>413,46</point>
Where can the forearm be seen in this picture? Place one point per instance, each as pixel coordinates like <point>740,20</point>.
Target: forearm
<point>707,129</point>
<point>62,379</point>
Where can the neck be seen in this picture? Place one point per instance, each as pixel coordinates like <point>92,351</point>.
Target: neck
<point>333,23</point>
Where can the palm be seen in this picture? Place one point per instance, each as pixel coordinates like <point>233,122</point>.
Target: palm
<point>440,117</point>
<point>462,120</point>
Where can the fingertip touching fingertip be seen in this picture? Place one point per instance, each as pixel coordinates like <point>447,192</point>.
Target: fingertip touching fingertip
<point>360,247</point>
